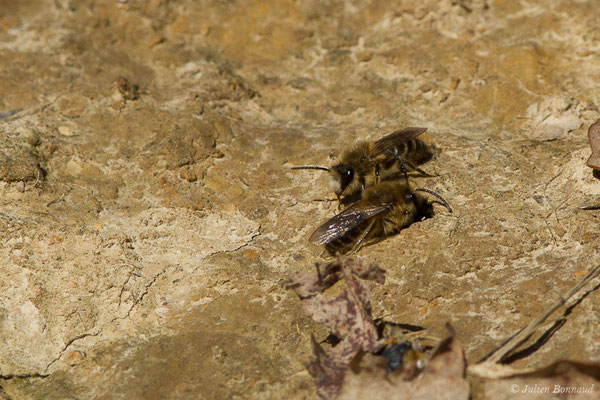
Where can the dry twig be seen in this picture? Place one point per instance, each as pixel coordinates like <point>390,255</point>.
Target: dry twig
<point>490,362</point>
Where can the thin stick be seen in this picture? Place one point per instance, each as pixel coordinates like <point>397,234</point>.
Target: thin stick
<point>61,198</point>
<point>523,334</point>
<point>37,178</point>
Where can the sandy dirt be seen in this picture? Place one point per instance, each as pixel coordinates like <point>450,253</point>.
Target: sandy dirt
<point>147,234</point>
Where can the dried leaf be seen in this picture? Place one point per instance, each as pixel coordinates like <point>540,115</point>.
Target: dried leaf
<point>594,138</point>
<point>368,379</point>
<point>348,315</point>
<point>442,378</point>
<point>328,274</point>
<point>563,379</point>
<point>327,369</point>
<point>495,371</point>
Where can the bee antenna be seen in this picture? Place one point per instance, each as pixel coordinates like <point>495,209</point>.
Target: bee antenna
<point>444,202</point>
<point>312,167</point>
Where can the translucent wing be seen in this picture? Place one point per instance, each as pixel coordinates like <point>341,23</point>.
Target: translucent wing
<point>394,139</point>
<point>342,223</point>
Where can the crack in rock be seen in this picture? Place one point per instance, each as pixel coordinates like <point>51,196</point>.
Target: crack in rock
<point>69,343</point>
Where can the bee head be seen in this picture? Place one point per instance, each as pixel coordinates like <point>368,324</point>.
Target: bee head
<point>395,355</point>
<point>346,175</point>
<point>423,208</point>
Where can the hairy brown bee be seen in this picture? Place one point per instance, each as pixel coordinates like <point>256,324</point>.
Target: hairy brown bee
<point>383,210</point>
<point>406,355</point>
<point>366,163</point>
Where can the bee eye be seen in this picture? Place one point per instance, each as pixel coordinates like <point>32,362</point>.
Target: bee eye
<point>346,174</point>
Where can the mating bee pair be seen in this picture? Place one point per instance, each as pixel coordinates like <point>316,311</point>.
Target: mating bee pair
<point>372,177</point>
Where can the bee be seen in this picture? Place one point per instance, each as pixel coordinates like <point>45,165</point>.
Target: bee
<point>406,355</point>
<point>383,210</point>
<point>366,163</point>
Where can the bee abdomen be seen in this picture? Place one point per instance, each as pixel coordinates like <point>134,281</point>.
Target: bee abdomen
<point>342,245</point>
<point>413,150</point>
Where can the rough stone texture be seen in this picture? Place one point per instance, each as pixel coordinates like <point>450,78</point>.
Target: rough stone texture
<point>145,242</point>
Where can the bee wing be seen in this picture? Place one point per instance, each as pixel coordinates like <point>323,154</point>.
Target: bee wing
<point>394,139</point>
<point>339,225</point>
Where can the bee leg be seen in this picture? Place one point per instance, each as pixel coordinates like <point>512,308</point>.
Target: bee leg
<point>376,173</point>
<point>403,169</point>
<point>339,201</point>
<point>398,226</point>
<point>419,170</point>
<point>400,164</point>
<point>319,275</point>
<point>325,199</point>
<point>358,246</point>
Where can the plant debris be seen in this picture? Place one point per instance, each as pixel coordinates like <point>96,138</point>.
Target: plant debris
<point>348,315</point>
<point>128,91</point>
<point>395,367</point>
<point>565,379</point>
<point>344,370</point>
<point>594,138</point>
<point>443,376</point>
<point>486,368</point>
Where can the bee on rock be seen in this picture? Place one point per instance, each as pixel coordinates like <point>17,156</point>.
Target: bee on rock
<point>366,163</point>
<point>383,210</point>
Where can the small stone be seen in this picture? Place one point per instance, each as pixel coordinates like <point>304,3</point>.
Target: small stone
<point>75,357</point>
<point>188,175</point>
<point>66,130</point>
<point>251,255</point>
<point>426,87</point>
<point>364,56</point>
<point>454,83</point>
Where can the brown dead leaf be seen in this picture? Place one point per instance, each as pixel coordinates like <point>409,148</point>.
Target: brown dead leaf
<point>594,139</point>
<point>329,367</point>
<point>368,379</point>
<point>328,274</point>
<point>348,315</point>
<point>563,379</point>
<point>442,378</point>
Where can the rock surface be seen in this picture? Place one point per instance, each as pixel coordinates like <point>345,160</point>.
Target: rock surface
<point>147,236</point>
